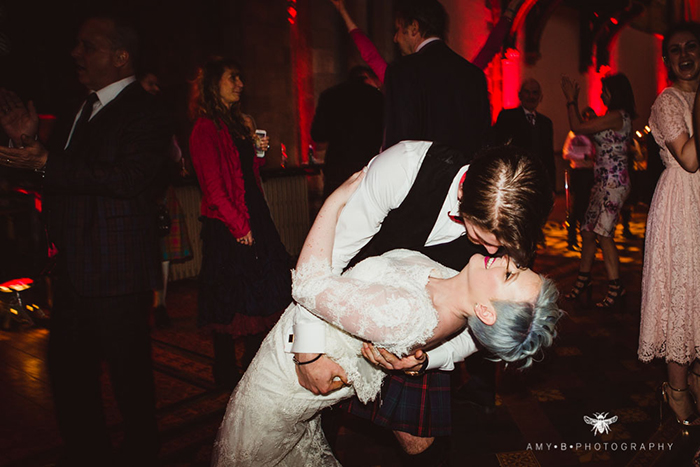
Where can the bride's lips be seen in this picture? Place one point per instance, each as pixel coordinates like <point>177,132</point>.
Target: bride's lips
<point>488,261</point>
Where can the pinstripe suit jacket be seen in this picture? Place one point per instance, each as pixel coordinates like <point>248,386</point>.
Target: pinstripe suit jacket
<point>100,197</point>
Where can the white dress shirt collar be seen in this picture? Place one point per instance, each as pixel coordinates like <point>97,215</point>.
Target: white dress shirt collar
<point>426,42</point>
<point>109,92</point>
<point>529,112</point>
<point>104,96</point>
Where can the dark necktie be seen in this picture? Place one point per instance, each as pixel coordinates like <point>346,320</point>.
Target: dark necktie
<point>530,118</point>
<point>80,129</point>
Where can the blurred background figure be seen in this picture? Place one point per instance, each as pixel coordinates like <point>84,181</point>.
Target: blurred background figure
<point>579,150</point>
<point>245,280</point>
<point>373,58</point>
<point>611,135</point>
<point>350,119</point>
<point>669,317</point>
<point>527,128</point>
<point>174,242</point>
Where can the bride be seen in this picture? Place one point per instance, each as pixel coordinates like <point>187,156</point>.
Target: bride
<point>400,301</point>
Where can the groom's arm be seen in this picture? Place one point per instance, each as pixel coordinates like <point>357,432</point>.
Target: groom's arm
<point>387,183</point>
<point>454,350</point>
<point>442,357</point>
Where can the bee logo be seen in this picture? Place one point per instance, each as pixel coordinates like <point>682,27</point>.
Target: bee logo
<point>600,423</point>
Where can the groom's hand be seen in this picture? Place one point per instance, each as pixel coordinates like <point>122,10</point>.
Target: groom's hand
<point>322,376</point>
<point>389,361</point>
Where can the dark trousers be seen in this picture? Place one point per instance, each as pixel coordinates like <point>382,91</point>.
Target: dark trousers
<point>86,331</point>
<point>581,182</point>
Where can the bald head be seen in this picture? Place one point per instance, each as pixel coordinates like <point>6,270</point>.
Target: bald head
<point>530,94</point>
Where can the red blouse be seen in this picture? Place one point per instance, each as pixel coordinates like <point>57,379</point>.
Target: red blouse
<point>218,166</point>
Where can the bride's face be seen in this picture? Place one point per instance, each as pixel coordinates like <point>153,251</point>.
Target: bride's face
<point>497,279</point>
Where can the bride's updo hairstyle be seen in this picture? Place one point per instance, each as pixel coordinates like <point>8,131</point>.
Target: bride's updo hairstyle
<point>522,329</point>
<point>507,192</point>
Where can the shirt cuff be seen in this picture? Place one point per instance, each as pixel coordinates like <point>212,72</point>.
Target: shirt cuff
<point>440,358</point>
<point>307,338</point>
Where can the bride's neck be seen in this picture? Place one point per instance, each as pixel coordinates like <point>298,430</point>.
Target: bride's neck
<point>449,296</point>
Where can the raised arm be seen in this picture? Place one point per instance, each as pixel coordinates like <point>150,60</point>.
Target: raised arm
<point>318,246</point>
<point>367,49</point>
<point>571,91</point>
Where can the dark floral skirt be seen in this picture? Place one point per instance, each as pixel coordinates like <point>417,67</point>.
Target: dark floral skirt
<point>242,289</point>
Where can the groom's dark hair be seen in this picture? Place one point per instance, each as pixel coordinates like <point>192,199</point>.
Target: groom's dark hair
<point>506,191</point>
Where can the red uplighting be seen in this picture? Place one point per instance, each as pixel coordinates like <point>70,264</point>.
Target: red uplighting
<point>46,117</point>
<point>614,21</point>
<point>595,14</point>
<point>292,11</point>
<point>511,78</point>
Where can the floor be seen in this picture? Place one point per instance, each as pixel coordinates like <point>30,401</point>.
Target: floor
<point>539,419</point>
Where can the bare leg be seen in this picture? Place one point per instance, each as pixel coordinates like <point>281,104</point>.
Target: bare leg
<point>694,380</point>
<point>610,257</point>
<point>587,250</point>
<point>412,445</point>
<point>678,396</point>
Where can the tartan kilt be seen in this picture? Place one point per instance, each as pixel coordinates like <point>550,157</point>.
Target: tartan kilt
<point>416,405</point>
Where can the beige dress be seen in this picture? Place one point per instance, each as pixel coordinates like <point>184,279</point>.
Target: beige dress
<point>670,321</point>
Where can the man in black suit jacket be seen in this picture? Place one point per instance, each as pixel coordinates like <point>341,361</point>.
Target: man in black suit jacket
<point>432,93</point>
<point>100,186</point>
<point>350,118</point>
<point>523,126</point>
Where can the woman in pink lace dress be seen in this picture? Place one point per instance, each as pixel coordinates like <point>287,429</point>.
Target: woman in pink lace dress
<point>670,324</point>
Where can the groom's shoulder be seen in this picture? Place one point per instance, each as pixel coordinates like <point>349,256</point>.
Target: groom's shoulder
<point>405,155</point>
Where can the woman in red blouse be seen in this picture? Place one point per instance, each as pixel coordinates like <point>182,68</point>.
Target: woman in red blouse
<point>245,281</point>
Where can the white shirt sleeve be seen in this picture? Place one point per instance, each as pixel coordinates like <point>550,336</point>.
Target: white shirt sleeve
<point>456,349</point>
<point>389,178</point>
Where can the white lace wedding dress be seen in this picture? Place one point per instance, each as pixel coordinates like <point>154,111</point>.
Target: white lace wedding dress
<point>271,419</point>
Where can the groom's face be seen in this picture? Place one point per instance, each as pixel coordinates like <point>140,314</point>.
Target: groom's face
<point>480,236</point>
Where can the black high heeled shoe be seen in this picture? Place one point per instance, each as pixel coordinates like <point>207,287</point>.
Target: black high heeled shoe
<point>582,284</point>
<point>615,296</point>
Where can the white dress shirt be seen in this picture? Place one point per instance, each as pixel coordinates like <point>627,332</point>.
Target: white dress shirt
<point>104,97</point>
<point>388,181</point>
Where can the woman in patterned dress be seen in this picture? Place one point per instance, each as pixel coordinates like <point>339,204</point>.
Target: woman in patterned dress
<point>611,135</point>
<point>670,324</point>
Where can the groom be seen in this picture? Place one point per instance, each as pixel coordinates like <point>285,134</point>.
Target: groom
<point>410,198</point>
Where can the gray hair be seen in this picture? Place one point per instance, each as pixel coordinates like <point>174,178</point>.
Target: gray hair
<point>522,329</point>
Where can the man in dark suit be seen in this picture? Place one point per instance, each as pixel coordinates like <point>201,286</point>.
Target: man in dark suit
<point>523,126</point>
<point>432,93</point>
<point>350,118</point>
<point>100,186</point>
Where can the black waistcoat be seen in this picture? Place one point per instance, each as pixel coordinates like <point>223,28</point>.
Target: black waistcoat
<point>409,225</point>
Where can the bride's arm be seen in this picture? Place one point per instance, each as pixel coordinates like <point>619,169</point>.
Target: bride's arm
<point>318,245</point>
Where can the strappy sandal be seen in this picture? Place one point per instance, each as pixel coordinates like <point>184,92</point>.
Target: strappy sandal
<point>582,284</point>
<point>615,295</point>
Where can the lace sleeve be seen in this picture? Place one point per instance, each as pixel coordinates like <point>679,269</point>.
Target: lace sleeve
<point>668,117</point>
<point>395,318</point>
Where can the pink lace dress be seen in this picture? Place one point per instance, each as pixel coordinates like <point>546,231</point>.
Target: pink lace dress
<point>670,322</point>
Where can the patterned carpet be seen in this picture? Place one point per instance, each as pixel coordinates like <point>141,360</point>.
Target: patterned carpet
<point>539,419</point>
